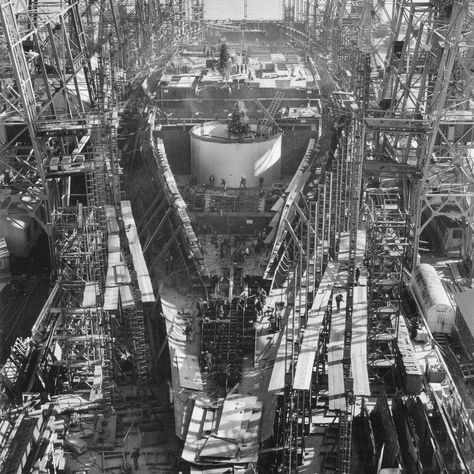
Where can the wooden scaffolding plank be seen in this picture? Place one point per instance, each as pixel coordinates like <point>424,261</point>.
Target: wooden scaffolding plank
<point>359,342</point>
<point>336,389</point>
<point>344,247</point>
<point>111,298</point>
<point>89,299</point>
<point>111,295</point>
<point>309,346</point>
<point>277,380</point>
<point>126,296</point>
<point>143,277</point>
<point>113,243</point>
<point>360,250</point>
<point>111,217</point>
<point>283,359</point>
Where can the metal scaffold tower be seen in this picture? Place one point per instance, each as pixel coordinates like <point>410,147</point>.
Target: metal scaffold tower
<point>303,268</point>
<point>292,269</point>
<point>411,117</point>
<point>387,245</point>
<point>447,181</point>
<point>167,24</point>
<point>59,101</point>
<point>46,88</point>
<point>60,87</point>
<point>424,133</point>
<point>50,65</point>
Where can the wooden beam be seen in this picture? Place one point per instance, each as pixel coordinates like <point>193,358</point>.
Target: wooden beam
<point>158,227</point>
<point>145,219</point>
<point>294,236</point>
<point>167,245</point>
<point>303,216</point>
<point>150,220</point>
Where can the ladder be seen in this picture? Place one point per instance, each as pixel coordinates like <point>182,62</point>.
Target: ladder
<point>107,374</point>
<point>344,446</point>
<point>340,191</point>
<point>97,229</point>
<point>322,217</point>
<point>137,334</point>
<point>114,180</point>
<point>267,123</point>
<point>106,345</point>
<point>362,83</point>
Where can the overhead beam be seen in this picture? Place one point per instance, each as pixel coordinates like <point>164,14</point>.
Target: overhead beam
<point>389,169</point>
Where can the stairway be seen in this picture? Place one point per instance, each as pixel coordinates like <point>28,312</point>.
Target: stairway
<point>266,124</point>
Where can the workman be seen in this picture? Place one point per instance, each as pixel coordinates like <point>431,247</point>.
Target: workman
<point>135,455</point>
<point>339,298</point>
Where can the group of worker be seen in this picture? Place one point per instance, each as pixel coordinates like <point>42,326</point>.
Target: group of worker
<point>242,185</point>
<point>193,181</point>
<point>212,179</point>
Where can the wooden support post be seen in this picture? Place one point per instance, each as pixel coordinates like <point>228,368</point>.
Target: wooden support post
<point>155,232</point>
<point>145,220</point>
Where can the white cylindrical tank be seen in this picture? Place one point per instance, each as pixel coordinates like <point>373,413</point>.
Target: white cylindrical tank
<point>433,299</point>
<point>214,152</point>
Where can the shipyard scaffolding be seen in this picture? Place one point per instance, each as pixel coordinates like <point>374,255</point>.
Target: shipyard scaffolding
<point>161,27</point>
<point>388,108</point>
<point>393,143</point>
<point>62,82</point>
<point>405,115</point>
<point>308,265</point>
<point>394,108</point>
<point>394,136</point>
<point>37,104</point>
<point>320,386</point>
<point>427,91</point>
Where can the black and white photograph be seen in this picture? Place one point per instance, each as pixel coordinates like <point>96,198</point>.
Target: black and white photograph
<point>236,237</point>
